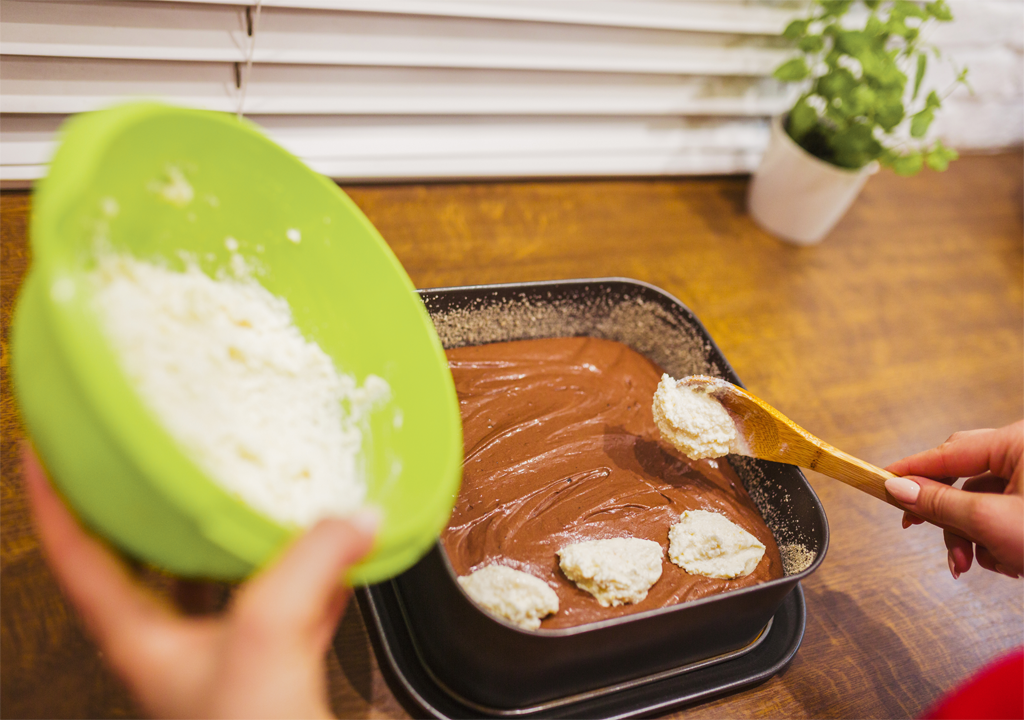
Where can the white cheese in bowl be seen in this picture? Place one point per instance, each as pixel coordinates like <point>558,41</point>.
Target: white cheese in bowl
<point>258,407</point>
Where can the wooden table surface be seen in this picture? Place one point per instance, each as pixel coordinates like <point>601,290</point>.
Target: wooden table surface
<point>903,326</point>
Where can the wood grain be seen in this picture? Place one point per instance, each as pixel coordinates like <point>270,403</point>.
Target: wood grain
<point>905,325</point>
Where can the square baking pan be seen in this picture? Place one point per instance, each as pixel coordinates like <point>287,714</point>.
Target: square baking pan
<point>417,688</point>
<point>495,668</point>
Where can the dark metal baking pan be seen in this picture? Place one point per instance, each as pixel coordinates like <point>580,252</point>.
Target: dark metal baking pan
<point>496,667</point>
<point>415,686</point>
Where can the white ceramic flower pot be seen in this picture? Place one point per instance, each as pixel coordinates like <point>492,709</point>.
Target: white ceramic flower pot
<point>798,197</point>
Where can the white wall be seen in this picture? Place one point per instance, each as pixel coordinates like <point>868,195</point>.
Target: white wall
<point>988,37</point>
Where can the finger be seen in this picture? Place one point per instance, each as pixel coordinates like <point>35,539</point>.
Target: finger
<point>987,483</point>
<point>968,453</point>
<point>989,561</point>
<point>960,553</point>
<point>986,559</point>
<point>332,616</point>
<point>302,591</point>
<point>113,607</point>
<point>967,434</point>
<point>911,519</point>
<point>937,503</point>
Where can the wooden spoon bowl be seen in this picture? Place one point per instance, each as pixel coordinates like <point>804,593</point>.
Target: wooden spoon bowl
<point>769,435</point>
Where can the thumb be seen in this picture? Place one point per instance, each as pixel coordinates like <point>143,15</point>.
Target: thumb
<point>302,590</point>
<point>937,502</point>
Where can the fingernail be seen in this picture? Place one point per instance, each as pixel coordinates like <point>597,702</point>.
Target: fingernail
<point>906,521</point>
<point>952,567</point>
<point>904,490</point>
<point>367,519</point>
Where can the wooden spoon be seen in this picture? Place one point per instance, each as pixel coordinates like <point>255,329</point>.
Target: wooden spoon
<point>770,435</point>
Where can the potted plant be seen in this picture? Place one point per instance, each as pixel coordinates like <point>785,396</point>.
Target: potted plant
<point>859,111</point>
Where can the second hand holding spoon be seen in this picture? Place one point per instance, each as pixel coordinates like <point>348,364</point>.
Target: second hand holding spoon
<point>767,434</point>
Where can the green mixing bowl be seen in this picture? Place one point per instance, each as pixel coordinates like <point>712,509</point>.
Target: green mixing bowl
<point>120,178</point>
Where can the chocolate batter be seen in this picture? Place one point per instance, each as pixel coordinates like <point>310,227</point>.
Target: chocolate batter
<point>560,447</point>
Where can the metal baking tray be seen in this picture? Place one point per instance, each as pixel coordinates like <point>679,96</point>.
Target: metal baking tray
<point>417,689</point>
<point>498,669</point>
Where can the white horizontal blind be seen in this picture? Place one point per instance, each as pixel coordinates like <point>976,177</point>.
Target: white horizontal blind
<point>764,17</point>
<point>401,89</point>
<point>63,85</point>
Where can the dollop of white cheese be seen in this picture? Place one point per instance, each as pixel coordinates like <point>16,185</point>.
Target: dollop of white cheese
<point>693,421</point>
<point>615,571</point>
<point>511,594</point>
<point>707,543</point>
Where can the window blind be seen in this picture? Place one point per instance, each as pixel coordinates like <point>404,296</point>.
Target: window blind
<point>403,89</point>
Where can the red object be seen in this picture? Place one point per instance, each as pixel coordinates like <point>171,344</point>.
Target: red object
<point>996,691</point>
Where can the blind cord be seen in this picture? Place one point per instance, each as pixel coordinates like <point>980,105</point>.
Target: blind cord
<point>253,24</point>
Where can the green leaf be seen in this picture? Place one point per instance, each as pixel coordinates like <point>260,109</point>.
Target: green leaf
<point>896,26</point>
<point>834,8</point>
<point>811,43</point>
<point>837,117</point>
<point>881,67</point>
<point>939,157</point>
<point>939,10</point>
<point>801,119</point>
<point>933,101</point>
<point>796,29</point>
<point>862,99</point>
<point>909,164</point>
<point>888,157</point>
<point>856,146</point>
<point>852,42</point>
<point>792,70</point>
<point>876,29</point>
<point>871,66</point>
<point>836,83</point>
<point>922,65</point>
<point>961,79</point>
<point>890,111</point>
<point>872,4</point>
<point>905,8</point>
<point>920,122</point>
<point>892,77</point>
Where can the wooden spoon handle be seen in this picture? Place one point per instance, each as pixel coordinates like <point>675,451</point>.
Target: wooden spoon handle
<point>854,472</point>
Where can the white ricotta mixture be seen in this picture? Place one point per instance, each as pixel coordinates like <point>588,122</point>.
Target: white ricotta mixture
<point>615,571</point>
<point>693,421</point>
<point>259,408</point>
<point>707,543</point>
<point>511,594</point>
